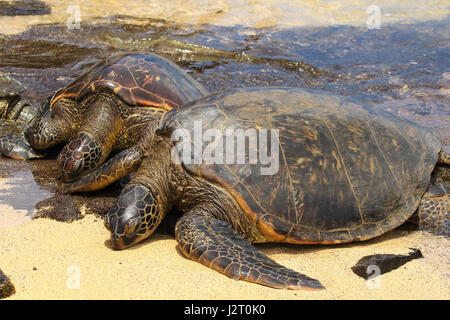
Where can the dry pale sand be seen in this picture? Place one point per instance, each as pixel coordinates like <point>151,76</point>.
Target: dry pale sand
<point>46,259</point>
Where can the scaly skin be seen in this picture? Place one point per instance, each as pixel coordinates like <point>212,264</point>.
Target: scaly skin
<point>55,124</point>
<point>215,244</point>
<point>433,214</point>
<point>15,146</point>
<point>15,114</point>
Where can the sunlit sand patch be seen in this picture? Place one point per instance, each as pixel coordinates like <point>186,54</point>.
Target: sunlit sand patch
<point>11,217</point>
<point>253,14</point>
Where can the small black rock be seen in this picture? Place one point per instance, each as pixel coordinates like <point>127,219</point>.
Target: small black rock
<point>386,262</point>
<point>24,7</point>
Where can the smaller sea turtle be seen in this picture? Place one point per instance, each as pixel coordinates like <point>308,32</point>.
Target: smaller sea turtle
<point>15,114</point>
<point>330,171</point>
<point>114,107</point>
<point>12,107</point>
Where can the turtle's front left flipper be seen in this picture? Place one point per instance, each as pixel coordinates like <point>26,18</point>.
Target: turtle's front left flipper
<point>215,244</point>
<point>119,166</point>
<point>15,146</point>
<point>122,164</point>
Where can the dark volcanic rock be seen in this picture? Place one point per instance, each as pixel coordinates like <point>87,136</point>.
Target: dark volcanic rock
<point>61,207</point>
<point>6,287</point>
<point>68,208</point>
<point>386,262</point>
<point>24,8</point>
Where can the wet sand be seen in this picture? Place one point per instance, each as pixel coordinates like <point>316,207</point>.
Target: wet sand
<point>46,259</point>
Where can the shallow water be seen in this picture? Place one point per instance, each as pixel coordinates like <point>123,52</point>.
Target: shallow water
<point>17,187</point>
<point>403,66</point>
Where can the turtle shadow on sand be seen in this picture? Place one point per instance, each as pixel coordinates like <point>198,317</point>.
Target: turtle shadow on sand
<point>148,241</point>
<point>272,249</point>
<point>386,260</point>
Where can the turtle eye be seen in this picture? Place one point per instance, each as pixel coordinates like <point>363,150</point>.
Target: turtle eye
<point>131,226</point>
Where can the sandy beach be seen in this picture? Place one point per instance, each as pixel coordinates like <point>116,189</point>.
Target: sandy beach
<point>46,259</point>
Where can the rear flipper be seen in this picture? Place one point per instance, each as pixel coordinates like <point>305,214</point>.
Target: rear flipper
<point>16,147</point>
<point>215,244</point>
<point>432,214</point>
<point>122,164</point>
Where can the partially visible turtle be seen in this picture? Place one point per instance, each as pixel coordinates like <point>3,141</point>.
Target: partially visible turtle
<point>10,90</point>
<point>6,287</point>
<point>338,172</point>
<point>426,217</point>
<point>15,114</point>
<point>12,107</point>
<point>114,107</point>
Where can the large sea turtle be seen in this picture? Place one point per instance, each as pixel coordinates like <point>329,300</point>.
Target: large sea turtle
<point>114,107</point>
<point>338,172</point>
<point>15,114</point>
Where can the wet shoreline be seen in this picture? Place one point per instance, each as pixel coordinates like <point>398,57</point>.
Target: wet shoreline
<point>400,69</point>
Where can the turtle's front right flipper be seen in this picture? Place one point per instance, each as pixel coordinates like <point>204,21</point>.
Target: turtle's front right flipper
<point>215,244</point>
<point>15,146</point>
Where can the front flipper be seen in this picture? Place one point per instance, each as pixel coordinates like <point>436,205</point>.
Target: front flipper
<point>119,166</point>
<point>122,164</point>
<point>15,147</point>
<point>215,244</point>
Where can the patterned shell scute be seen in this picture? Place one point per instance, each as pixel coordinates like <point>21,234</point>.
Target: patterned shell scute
<point>344,171</point>
<point>139,80</point>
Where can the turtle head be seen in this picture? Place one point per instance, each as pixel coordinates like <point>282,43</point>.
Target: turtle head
<point>53,124</point>
<point>80,156</point>
<point>134,216</point>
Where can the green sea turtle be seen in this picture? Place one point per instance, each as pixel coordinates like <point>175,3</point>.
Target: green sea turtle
<point>113,107</point>
<point>15,114</point>
<point>10,90</point>
<point>345,172</point>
